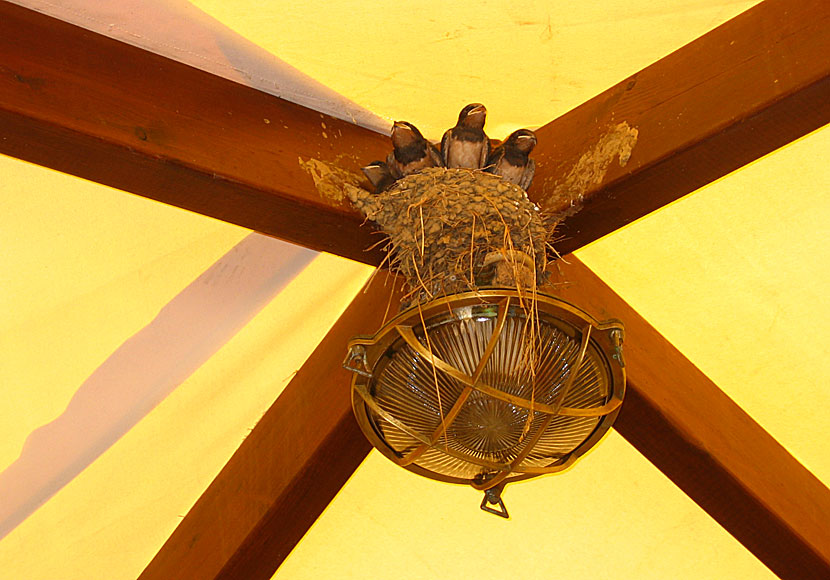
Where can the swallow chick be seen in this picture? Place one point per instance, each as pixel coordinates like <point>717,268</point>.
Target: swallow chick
<point>466,145</point>
<point>511,161</point>
<point>411,152</point>
<point>379,175</point>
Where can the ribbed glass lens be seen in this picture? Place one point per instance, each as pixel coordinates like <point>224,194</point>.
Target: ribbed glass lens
<point>532,360</point>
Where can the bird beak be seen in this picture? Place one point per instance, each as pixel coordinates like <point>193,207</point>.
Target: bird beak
<point>402,126</point>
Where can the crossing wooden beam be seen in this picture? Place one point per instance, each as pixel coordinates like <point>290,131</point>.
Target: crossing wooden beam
<point>293,463</point>
<point>88,105</point>
<point>748,87</point>
<point>85,104</point>
<point>286,471</point>
<point>707,445</point>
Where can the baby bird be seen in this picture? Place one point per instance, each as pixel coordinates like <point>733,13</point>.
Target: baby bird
<point>466,145</point>
<point>411,152</point>
<point>511,161</point>
<point>380,175</point>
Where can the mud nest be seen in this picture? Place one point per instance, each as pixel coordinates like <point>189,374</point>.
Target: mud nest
<point>455,230</point>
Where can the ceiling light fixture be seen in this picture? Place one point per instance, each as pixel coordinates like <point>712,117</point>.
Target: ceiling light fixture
<point>470,389</point>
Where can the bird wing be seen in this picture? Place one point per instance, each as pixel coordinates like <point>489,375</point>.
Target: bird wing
<point>485,153</point>
<point>493,159</point>
<point>445,147</point>
<point>394,169</point>
<point>527,175</point>
<point>435,155</point>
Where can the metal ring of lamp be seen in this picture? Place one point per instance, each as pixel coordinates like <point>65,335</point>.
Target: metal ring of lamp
<point>489,394</point>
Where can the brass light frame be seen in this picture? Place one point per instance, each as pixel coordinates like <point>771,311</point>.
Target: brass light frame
<point>605,339</point>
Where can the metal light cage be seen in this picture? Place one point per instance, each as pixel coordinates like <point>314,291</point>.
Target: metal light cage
<point>489,387</point>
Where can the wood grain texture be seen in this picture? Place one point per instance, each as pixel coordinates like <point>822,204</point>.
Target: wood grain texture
<point>707,445</point>
<point>84,104</point>
<point>94,107</point>
<point>744,89</point>
<point>91,106</point>
<point>673,414</point>
<point>286,471</point>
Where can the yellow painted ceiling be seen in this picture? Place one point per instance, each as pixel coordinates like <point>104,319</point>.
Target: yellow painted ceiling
<point>528,61</point>
<point>733,275</point>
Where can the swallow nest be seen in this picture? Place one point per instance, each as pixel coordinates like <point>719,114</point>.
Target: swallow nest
<point>456,230</point>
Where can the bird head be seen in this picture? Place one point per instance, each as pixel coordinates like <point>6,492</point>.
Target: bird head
<point>524,140</point>
<point>375,169</point>
<point>473,115</point>
<point>404,134</point>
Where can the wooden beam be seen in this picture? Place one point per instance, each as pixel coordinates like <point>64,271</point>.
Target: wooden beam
<point>707,445</point>
<point>739,92</point>
<point>84,104</point>
<point>91,106</point>
<point>87,105</point>
<point>286,471</point>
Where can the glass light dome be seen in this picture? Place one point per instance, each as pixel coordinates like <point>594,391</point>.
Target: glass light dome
<point>489,387</point>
